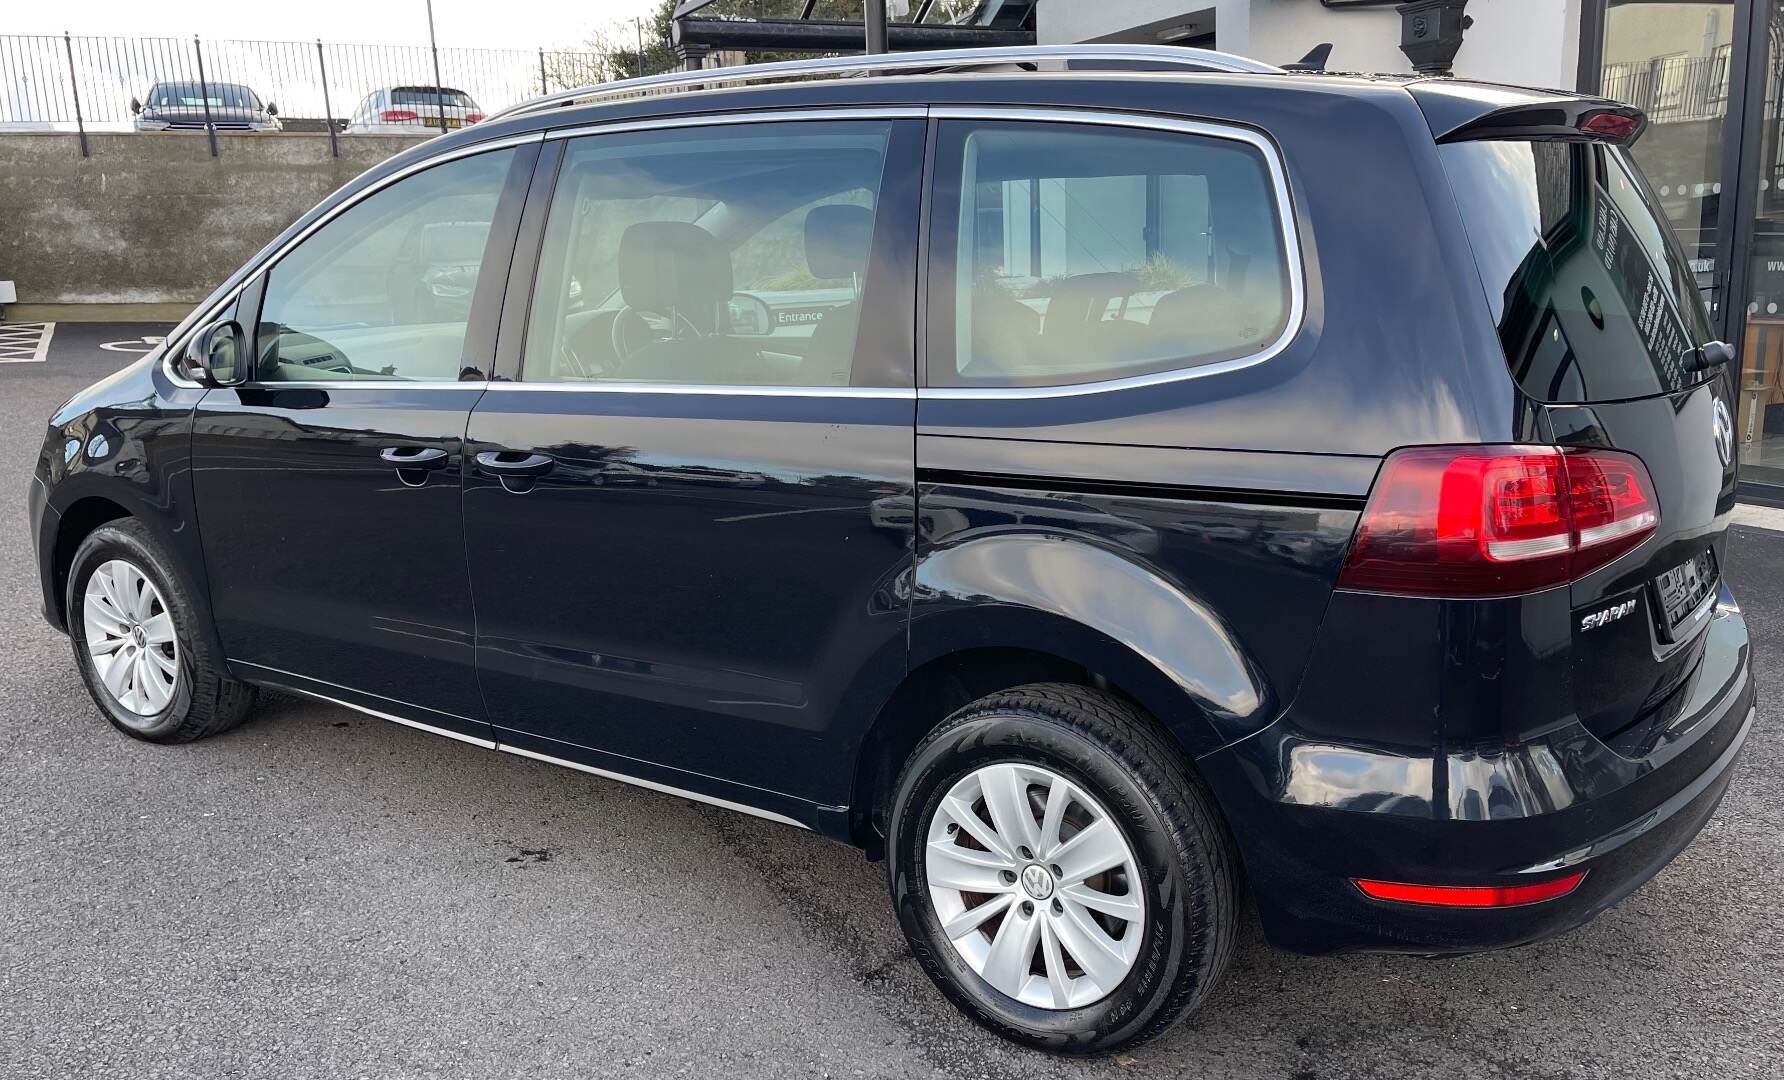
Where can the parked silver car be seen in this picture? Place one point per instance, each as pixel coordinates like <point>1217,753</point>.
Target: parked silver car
<point>404,110</point>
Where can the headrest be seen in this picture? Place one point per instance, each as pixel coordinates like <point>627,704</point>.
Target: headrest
<point>675,266</point>
<point>1084,298</point>
<point>837,237</point>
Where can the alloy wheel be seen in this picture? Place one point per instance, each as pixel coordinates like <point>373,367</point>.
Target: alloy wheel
<point>130,637</point>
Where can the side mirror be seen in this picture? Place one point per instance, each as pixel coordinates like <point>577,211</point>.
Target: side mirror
<point>271,109</point>
<point>217,356</point>
<point>749,316</point>
<point>135,105</point>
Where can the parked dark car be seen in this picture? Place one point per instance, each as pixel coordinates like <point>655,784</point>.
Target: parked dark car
<point>1108,496</point>
<point>189,106</point>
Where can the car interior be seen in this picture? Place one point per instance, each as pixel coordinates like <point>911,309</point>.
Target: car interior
<point>736,261</point>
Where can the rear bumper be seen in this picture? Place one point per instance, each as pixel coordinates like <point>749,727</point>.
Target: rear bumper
<point>1311,817</point>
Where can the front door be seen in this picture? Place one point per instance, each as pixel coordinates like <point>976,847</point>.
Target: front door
<point>328,487</point>
<point>689,512</point>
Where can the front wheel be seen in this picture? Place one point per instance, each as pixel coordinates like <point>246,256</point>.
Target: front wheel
<point>1059,872</point>
<point>136,638</point>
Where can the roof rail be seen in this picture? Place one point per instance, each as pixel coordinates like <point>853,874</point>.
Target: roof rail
<point>1139,56</point>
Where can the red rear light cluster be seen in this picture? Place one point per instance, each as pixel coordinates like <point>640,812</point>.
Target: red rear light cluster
<point>472,118</point>
<point>1469,521</point>
<point>1472,896</point>
<point>398,116</point>
<point>1612,125</point>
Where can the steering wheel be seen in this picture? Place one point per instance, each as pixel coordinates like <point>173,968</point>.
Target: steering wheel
<point>623,351</point>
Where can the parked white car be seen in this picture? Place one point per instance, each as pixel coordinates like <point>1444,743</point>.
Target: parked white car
<point>404,110</point>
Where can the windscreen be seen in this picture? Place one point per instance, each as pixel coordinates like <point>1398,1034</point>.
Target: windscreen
<point>1593,298</point>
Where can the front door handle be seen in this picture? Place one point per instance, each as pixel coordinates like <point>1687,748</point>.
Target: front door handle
<point>516,469</point>
<point>413,463</point>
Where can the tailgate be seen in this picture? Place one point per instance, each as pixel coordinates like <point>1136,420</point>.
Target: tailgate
<point>1601,322</point>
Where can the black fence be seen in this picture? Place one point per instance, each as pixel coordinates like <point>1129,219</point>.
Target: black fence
<point>87,83</point>
<point>1671,88</point>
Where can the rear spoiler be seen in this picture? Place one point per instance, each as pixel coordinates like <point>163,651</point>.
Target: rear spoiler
<point>1462,111</point>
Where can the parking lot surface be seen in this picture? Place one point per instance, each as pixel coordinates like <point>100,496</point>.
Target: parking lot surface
<point>321,894</point>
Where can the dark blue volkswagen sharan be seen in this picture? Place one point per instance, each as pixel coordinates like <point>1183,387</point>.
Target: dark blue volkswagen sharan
<point>1112,485</point>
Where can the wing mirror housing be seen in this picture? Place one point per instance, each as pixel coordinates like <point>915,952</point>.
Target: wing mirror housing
<point>217,356</point>
<point>136,106</point>
<point>271,109</point>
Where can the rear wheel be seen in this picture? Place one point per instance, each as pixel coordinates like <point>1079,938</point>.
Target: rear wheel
<point>133,624</point>
<point>1059,872</point>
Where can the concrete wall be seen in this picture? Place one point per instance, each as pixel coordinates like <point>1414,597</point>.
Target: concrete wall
<point>1527,42</point>
<point>152,217</point>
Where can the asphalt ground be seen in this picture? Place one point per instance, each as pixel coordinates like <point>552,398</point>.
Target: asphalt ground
<point>322,894</point>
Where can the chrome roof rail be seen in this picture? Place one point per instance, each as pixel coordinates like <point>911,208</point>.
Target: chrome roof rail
<point>934,60</point>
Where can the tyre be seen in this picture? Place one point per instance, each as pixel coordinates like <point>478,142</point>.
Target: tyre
<point>137,641</point>
<point>1059,871</point>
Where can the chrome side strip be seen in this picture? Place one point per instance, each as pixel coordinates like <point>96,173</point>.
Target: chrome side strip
<point>487,744</point>
<point>176,341</point>
<point>606,774</point>
<point>710,800</point>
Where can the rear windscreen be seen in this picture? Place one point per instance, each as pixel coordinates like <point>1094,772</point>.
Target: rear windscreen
<point>427,95</point>
<point>1592,297</point>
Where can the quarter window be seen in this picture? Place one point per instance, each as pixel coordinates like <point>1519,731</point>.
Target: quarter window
<point>1072,253</point>
<point>384,291</point>
<point>733,255</point>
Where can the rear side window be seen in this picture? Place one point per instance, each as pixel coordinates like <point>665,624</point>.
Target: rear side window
<point>1593,299</point>
<point>1073,253</point>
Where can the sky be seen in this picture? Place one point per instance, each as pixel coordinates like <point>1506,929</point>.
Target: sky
<point>465,23</point>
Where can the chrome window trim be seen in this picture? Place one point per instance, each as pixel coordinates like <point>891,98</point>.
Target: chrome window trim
<point>652,785</point>
<point>1285,213</point>
<point>372,384</point>
<point>182,334</point>
<point>891,392</point>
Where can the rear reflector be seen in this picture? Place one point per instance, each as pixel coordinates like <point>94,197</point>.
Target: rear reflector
<point>397,116</point>
<point>1465,521</point>
<point>1471,896</point>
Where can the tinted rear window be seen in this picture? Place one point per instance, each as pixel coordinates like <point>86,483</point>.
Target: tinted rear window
<point>427,95</point>
<point>1593,299</point>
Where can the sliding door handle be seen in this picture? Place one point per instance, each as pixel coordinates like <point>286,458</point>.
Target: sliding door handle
<point>514,463</point>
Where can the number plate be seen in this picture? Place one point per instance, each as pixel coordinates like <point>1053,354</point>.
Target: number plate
<point>1682,590</point>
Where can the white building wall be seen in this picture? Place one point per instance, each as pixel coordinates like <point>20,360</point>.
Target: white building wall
<point>1528,42</point>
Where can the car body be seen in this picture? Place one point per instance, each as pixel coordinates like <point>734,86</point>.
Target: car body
<point>406,110</point>
<point>661,538</point>
<point>188,105</point>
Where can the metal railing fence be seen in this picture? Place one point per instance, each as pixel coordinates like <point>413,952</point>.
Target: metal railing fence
<point>1671,88</point>
<point>86,83</point>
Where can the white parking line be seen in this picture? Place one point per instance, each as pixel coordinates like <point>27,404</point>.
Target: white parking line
<point>26,342</point>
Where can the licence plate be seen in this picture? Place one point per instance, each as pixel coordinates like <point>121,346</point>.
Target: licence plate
<point>1682,590</point>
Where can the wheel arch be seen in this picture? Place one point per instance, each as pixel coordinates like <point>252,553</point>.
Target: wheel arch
<point>1001,611</point>
<point>73,525</point>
